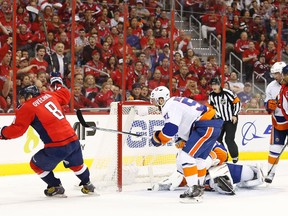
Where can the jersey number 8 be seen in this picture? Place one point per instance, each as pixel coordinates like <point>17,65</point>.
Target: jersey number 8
<point>54,110</point>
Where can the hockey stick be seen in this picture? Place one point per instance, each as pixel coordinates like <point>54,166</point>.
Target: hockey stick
<point>84,124</point>
<point>40,14</point>
<point>284,146</point>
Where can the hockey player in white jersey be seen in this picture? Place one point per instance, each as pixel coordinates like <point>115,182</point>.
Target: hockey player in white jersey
<point>279,123</point>
<point>195,125</point>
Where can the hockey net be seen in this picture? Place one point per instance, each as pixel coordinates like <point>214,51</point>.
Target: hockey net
<point>122,160</point>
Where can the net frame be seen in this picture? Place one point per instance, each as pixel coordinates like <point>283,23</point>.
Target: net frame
<point>139,153</point>
<point>120,106</point>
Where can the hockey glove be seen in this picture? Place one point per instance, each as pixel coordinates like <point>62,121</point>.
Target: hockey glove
<point>180,143</point>
<point>56,80</point>
<point>271,105</point>
<point>155,139</point>
<point>55,74</point>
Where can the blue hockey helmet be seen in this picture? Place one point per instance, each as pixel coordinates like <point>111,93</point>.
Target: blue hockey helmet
<point>29,90</point>
<point>285,70</point>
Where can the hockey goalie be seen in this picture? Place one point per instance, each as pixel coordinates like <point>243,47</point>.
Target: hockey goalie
<point>221,177</point>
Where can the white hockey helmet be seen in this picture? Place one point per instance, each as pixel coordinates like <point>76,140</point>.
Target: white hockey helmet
<point>160,92</point>
<point>277,67</point>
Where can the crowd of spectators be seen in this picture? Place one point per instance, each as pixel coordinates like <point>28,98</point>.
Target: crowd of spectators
<point>99,45</point>
<point>251,34</point>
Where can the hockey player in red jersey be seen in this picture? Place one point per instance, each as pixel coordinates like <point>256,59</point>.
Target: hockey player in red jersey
<point>43,112</point>
<point>283,102</point>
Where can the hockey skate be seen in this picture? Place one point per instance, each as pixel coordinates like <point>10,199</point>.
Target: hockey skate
<point>88,188</point>
<point>57,191</point>
<point>192,194</point>
<point>269,178</point>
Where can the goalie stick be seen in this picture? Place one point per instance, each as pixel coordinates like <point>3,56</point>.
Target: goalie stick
<point>84,124</point>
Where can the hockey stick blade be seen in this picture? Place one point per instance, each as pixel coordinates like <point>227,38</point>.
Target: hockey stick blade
<point>32,9</point>
<point>81,118</point>
<point>84,124</point>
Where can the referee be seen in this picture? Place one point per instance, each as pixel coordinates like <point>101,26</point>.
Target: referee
<point>227,105</point>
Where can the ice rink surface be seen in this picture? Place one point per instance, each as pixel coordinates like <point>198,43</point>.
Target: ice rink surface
<point>23,195</point>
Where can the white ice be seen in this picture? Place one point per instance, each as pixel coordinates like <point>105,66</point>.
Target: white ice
<point>23,195</point>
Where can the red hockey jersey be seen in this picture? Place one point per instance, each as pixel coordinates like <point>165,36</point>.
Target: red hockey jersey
<point>44,114</point>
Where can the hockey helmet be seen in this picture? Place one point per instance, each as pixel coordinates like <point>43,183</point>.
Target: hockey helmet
<point>160,92</point>
<point>285,70</point>
<point>277,67</point>
<point>29,90</point>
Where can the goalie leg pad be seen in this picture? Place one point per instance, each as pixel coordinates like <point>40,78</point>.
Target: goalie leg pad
<point>258,178</point>
<point>170,183</point>
<point>217,171</point>
<point>221,180</point>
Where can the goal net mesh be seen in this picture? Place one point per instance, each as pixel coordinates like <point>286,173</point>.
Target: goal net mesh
<point>141,161</point>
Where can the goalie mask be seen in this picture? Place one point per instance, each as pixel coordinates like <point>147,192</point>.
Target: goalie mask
<point>159,93</point>
<point>29,91</point>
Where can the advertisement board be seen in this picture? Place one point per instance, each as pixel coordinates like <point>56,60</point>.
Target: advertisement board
<point>252,137</point>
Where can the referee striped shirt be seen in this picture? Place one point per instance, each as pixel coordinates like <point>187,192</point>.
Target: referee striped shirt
<point>226,103</point>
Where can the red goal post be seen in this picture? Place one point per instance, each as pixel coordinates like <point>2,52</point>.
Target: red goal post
<point>123,160</point>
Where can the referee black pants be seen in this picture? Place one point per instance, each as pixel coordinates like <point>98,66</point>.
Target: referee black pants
<point>229,130</point>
